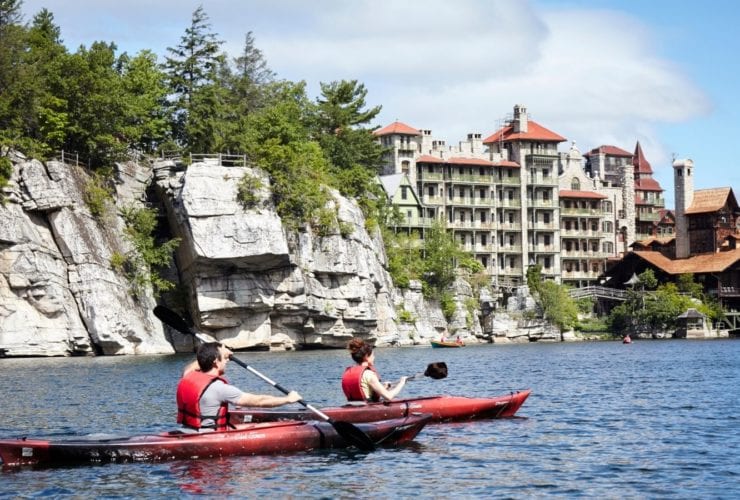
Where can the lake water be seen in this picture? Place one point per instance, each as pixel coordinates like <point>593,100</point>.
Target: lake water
<point>651,419</point>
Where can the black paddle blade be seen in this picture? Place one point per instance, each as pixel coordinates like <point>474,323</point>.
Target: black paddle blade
<point>436,370</point>
<point>353,435</point>
<point>171,318</point>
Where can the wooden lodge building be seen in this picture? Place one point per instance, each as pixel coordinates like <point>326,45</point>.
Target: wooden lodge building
<point>707,230</point>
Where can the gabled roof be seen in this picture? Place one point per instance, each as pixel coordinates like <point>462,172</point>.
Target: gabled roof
<point>711,200</point>
<point>642,166</point>
<point>535,132</point>
<point>609,151</point>
<point>663,241</point>
<point>647,184</point>
<point>582,194</point>
<point>702,263</point>
<point>397,128</point>
<point>392,182</point>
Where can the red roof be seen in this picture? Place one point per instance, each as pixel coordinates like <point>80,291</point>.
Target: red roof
<point>429,159</point>
<point>647,184</point>
<point>582,194</point>
<point>535,132</point>
<point>469,161</point>
<point>507,163</point>
<point>702,263</point>
<point>609,151</point>
<point>642,166</point>
<point>457,161</point>
<point>397,128</point>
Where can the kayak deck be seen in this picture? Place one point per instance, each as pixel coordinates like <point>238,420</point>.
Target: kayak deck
<point>441,409</point>
<point>246,439</point>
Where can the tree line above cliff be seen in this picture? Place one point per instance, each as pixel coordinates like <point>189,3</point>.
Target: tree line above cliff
<point>107,106</point>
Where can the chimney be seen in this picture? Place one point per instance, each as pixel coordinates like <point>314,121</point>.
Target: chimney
<point>520,119</point>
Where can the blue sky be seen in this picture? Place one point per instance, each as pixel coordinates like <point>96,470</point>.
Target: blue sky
<point>597,72</point>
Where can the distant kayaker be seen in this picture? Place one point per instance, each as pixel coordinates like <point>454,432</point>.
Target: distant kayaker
<point>204,395</point>
<point>361,382</point>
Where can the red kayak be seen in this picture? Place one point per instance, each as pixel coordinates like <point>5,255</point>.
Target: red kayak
<point>441,408</point>
<point>247,439</point>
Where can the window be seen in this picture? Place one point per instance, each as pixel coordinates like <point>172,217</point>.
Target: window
<point>575,184</point>
<point>430,190</point>
<point>511,217</point>
<point>546,217</point>
<point>408,215</point>
<point>547,263</point>
<point>483,217</point>
<point>405,167</point>
<point>483,239</point>
<point>404,192</point>
<point>511,195</point>
<point>546,240</point>
<point>482,193</point>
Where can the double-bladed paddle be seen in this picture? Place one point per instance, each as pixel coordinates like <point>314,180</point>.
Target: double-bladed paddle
<point>351,433</point>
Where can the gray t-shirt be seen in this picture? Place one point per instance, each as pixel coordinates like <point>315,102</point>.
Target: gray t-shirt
<point>217,393</point>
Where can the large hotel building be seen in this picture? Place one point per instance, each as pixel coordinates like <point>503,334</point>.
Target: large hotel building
<point>513,200</point>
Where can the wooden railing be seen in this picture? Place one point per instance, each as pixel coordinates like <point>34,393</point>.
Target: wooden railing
<point>598,291</point>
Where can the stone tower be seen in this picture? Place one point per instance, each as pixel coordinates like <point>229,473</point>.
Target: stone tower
<point>628,196</point>
<point>683,182</point>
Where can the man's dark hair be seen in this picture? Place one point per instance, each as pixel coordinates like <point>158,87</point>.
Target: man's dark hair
<point>207,355</point>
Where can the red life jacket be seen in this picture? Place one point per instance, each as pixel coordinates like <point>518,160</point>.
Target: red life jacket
<point>351,384</point>
<point>189,390</point>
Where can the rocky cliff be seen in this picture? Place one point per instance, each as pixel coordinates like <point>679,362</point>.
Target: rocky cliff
<point>58,292</point>
<point>240,275</point>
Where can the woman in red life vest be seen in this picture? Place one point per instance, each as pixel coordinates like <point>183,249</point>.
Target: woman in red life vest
<point>204,395</point>
<point>361,382</point>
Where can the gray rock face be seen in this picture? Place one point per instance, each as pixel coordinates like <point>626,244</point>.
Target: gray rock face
<point>58,293</point>
<point>248,281</point>
<point>253,285</point>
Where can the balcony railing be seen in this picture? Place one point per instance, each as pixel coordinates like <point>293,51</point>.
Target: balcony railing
<point>648,217</point>
<point>584,212</point>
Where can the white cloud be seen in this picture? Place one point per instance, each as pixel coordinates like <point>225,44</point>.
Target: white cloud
<point>454,67</point>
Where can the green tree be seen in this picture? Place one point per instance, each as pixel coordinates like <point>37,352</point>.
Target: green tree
<point>13,74</point>
<point>96,104</point>
<point>350,147</point>
<point>440,254</point>
<point>144,91</point>
<point>558,307</point>
<point>276,138</point>
<point>534,278</point>
<point>251,74</point>
<point>193,69</point>
<point>404,257</point>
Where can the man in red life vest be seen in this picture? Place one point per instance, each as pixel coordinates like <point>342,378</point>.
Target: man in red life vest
<point>203,394</point>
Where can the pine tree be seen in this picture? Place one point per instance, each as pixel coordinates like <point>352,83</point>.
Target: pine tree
<point>194,66</point>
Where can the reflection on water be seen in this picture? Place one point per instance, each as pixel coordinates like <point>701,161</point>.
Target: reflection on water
<point>654,418</point>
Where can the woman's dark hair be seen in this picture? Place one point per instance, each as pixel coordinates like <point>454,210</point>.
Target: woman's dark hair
<point>207,355</point>
<point>359,349</point>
